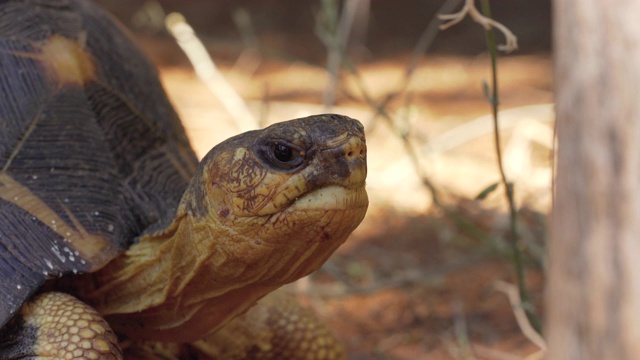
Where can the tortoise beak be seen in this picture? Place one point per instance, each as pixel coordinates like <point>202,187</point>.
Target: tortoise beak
<point>347,162</point>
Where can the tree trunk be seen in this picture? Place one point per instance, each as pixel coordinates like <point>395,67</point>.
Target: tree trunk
<point>593,294</point>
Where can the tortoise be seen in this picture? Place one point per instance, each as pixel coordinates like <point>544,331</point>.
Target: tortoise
<point>111,229</point>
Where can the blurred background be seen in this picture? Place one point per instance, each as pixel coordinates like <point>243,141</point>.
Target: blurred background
<point>417,280</point>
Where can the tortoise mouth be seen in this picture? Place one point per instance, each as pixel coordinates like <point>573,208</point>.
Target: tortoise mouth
<point>333,197</point>
<point>317,224</point>
<point>326,215</point>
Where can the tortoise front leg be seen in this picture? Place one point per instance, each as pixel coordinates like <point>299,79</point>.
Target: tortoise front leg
<point>276,328</point>
<point>54,325</point>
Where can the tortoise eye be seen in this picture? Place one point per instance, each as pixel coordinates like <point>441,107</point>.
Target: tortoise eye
<point>282,155</point>
<point>286,156</point>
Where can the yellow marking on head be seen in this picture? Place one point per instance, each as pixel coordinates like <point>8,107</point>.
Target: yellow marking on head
<point>96,249</point>
<point>239,154</point>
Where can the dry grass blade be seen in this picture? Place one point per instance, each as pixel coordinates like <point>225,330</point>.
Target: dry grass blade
<point>208,73</point>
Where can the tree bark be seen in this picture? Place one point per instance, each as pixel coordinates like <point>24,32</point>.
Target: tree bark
<point>593,293</point>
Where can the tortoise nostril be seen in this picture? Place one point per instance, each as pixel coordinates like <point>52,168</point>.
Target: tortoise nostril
<point>355,149</point>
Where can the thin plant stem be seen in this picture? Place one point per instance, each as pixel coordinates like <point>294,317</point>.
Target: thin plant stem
<point>419,50</point>
<point>380,109</point>
<point>508,186</point>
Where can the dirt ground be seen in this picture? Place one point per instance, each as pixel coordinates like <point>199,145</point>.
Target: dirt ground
<point>412,282</point>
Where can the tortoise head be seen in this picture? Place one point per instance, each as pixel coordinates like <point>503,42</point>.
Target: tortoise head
<point>263,209</point>
<point>295,189</point>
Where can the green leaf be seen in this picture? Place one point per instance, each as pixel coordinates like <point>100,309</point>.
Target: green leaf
<point>487,191</point>
<point>487,92</point>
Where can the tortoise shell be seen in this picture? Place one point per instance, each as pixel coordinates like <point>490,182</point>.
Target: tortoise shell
<point>91,152</point>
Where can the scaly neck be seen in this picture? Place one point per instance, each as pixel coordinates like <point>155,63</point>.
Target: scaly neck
<point>182,284</point>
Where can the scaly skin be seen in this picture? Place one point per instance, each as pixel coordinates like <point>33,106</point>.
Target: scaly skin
<point>246,225</point>
<point>59,326</point>
<point>277,329</point>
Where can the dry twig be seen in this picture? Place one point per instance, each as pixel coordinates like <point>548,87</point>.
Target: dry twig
<point>521,317</point>
<point>209,73</point>
<point>470,9</point>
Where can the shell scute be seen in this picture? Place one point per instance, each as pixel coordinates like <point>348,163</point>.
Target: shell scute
<point>91,151</point>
